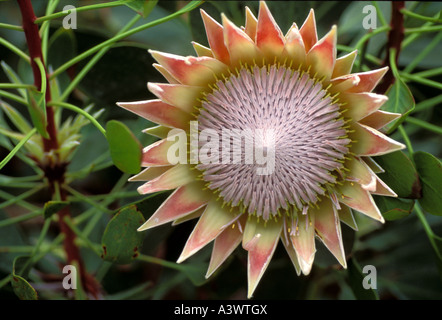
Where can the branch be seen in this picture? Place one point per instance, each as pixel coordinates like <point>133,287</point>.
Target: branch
<point>395,38</point>
<point>34,44</point>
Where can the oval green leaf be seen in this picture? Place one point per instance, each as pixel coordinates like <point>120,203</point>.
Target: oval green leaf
<point>430,173</point>
<point>124,148</point>
<point>400,174</point>
<point>121,241</point>
<point>23,289</point>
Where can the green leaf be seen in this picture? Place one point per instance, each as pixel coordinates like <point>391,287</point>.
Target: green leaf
<point>430,172</point>
<point>16,118</point>
<point>23,289</point>
<point>125,149</point>
<point>13,77</point>
<point>142,7</point>
<point>355,280</point>
<point>37,110</point>
<point>394,208</point>
<point>400,100</point>
<point>52,207</point>
<point>121,241</point>
<point>400,175</point>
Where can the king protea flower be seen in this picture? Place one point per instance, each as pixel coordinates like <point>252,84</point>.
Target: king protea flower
<point>325,126</point>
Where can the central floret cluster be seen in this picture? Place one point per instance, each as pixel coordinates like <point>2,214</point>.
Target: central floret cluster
<point>296,123</point>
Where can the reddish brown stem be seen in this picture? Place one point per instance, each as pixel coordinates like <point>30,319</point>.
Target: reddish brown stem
<point>54,171</point>
<point>395,38</point>
<point>34,44</point>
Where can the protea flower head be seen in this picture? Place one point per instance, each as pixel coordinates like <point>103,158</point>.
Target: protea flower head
<point>319,122</point>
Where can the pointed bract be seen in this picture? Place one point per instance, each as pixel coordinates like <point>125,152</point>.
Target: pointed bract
<point>288,245</point>
<point>379,119</point>
<point>241,48</point>
<point>166,74</point>
<point>177,176</point>
<point>371,142</point>
<point>150,173</point>
<point>328,229</point>
<point>344,64</point>
<point>322,56</point>
<point>261,248</point>
<point>251,24</point>
<point>360,173</point>
<point>346,216</point>
<point>294,46</point>
<point>180,203</point>
<point>213,221</point>
<point>303,239</point>
<point>159,112</point>
<point>383,190</point>
<point>156,154</point>
<point>269,37</point>
<point>202,51</point>
<point>215,36</point>
<point>157,131</point>
<point>193,71</point>
<point>181,96</point>
<point>224,245</point>
<point>308,31</point>
<point>360,105</point>
<point>359,199</point>
<point>368,80</point>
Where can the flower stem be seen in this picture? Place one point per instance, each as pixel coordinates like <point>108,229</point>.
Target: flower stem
<point>423,29</point>
<point>425,51</point>
<point>414,35</point>
<point>424,124</point>
<point>429,103</point>
<point>424,81</point>
<point>395,38</point>
<point>84,8</point>
<point>10,27</point>
<point>80,111</point>
<point>14,49</point>
<point>93,61</point>
<point>420,17</point>
<point>54,171</point>
<point>17,147</point>
<point>407,141</point>
<point>34,45</point>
